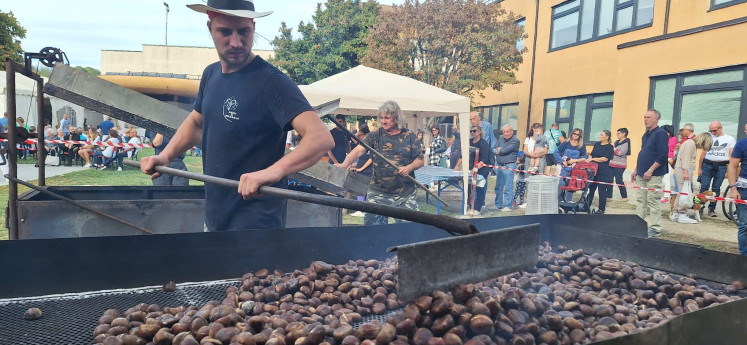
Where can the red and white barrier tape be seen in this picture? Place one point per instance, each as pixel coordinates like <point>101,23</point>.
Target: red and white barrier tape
<point>702,196</point>
<point>82,142</point>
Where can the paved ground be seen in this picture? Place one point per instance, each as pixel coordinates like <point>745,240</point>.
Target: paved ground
<point>28,172</point>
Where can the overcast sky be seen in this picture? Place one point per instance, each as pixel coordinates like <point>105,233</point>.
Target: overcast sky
<point>82,28</point>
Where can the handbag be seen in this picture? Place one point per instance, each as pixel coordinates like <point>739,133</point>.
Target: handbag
<point>52,160</point>
<point>685,201</point>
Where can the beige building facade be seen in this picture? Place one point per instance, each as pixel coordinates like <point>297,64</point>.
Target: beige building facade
<point>600,64</point>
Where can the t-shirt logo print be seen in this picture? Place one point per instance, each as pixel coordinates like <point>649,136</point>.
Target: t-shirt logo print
<point>230,106</point>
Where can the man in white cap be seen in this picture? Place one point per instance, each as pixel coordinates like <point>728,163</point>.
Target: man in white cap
<point>241,114</point>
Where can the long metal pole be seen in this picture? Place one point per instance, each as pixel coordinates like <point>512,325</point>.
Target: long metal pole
<point>75,203</point>
<point>10,85</point>
<point>387,160</point>
<point>450,224</point>
<point>41,152</point>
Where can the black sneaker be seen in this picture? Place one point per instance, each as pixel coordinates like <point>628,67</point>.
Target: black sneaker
<point>711,213</point>
<point>598,212</point>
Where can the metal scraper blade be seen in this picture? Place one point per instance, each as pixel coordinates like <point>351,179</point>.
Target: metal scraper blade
<point>440,264</point>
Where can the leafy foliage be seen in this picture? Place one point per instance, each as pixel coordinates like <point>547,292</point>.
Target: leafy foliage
<point>10,34</point>
<point>463,46</point>
<point>332,42</point>
<point>90,70</point>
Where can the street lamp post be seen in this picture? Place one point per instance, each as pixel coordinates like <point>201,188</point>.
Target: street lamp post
<point>167,22</point>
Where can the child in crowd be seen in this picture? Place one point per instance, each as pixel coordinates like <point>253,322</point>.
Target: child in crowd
<point>521,184</point>
<point>540,144</point>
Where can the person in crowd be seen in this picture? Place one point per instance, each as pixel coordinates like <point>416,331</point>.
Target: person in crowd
<point>713,164</point>
<point>342,144</point>
<point>125,152</point>
<point>437,147</point>
<point>506,150</point>
<point>602,153</point>
<point>4,120</point>
<point>64,124</point>
<point>737,169</point>
<point>568,154</point>
<point>83,136</point>
<point>667,179</point>
<point>389,186</point>
<point>521,184</point>
<point>108,150</point>
<point>475,119</point>
<point>563,138</point>
<point>684,167</point>
<point>620,161</point>
<point>86,150</point>
<point>363,166</point>
<point>21,123</point>
<point>479,156</point>
<point>649,171</point>
<point>106,125</point>
<point>535,149</point>
<point>70,149</point>
<point>553,140</point>
<point>159,142</point>
<point>455,157</point>
<point>420,140</point>
<point>362,129</point>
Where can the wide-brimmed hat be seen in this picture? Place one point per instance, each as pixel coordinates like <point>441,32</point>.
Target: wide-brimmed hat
<point>236,8</point>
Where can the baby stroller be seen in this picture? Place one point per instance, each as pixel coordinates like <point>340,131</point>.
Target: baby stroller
<point>580,176</point>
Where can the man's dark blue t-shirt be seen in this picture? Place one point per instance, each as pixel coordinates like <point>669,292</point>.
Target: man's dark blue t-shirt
<point>740,151</point>
<point>105,126</point>
<point>152,135</point>
<point>654,148</point>
<point>341,144</point>
<point>245,119</point>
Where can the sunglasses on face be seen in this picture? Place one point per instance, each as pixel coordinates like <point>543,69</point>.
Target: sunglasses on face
<point>714,130</point>
<point>575,133</point>
<point>473,131</point>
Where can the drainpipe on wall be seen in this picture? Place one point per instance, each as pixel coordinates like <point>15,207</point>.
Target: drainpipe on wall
<point>534,57</point>
<point>666,17</point>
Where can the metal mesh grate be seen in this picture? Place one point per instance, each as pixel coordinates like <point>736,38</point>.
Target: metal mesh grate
<point>71,318</point>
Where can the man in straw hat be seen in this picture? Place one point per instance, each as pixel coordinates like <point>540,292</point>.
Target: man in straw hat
<point>241,114</point>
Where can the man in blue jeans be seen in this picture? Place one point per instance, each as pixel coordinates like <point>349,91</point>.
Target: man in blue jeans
<point>738,158</point>
<point>506,149</point>
<point>713,163</point>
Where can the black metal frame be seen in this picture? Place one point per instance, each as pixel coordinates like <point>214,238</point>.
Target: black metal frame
<point>681,90</point>
<point>726,4</point>
<point>590,107</point>
<point>595,36</point>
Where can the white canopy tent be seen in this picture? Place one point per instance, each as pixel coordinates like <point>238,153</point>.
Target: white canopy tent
<point>362,90</point>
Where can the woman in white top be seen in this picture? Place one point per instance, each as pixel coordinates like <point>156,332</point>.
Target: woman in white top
<point>107,151</point>
<point>125,151</point>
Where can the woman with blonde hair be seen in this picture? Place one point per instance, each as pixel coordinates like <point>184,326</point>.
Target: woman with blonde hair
<point>86,150</point>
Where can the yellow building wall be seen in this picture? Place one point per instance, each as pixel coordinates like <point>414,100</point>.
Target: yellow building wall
<point>600,67</point>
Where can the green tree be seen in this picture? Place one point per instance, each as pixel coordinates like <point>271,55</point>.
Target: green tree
<point>463,46</point>
<point>11,33</point>
<point>332,42</point>
<point>90,70</point>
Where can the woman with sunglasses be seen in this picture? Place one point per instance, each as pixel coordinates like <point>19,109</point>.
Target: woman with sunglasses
<point>567,155</point>
<point>483,157</point>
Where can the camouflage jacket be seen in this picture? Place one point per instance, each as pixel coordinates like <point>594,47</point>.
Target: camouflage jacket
<point>403,149</point>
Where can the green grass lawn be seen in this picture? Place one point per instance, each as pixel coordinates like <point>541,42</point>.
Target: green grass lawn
<point>91,177</point>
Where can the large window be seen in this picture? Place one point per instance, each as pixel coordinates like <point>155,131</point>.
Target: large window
<point>591,113</point>
<point>520,43</point>
<point>702,97</point>
<point>500,115</point>
<point>580,21</point>
<point>716,4</point>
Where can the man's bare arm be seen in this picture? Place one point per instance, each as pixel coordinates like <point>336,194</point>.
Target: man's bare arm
<point>315,141</point>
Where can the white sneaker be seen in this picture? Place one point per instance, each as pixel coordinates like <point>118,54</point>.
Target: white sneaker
<point>684,219</point>
<point>673,216</point>
<point>88,165</point>
<point>523,206</point>
<point>473,213</point>
<point>119,168</point>
<point>358,214</point>
<point>505,209</point>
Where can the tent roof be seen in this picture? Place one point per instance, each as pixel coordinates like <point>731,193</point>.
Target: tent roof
<point>362,90</point>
